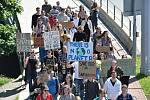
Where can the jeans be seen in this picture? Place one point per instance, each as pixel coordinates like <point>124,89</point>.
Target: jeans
<point>31,77</point>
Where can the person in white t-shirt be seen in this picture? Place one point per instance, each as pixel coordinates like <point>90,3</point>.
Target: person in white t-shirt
<point>76,20</point>
<point>78,81</point>
<point>112,86</point>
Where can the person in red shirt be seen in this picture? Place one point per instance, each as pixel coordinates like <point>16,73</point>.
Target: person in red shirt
<point>44,95</point>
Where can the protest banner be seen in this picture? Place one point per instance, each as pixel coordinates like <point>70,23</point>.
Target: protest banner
<point>126,65</point>
<point>38,41</point>
<point>51,40</point>
<point>23,42</point>
<point>87,69</point>
<point>80,51</point>
<point>102,48</point>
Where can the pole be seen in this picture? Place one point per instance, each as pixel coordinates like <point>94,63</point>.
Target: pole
<point>134,36</point>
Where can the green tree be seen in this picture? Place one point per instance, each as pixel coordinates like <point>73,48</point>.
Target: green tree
<point>8,8</point>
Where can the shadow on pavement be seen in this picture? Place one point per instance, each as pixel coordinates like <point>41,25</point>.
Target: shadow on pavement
<point>11,92</point>
<point>137,77</point>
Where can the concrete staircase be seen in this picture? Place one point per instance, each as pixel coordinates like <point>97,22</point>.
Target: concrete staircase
<point>113,27</point>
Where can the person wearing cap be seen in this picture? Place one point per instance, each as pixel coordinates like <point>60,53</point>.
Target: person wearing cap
<point>45,95</point>
<point>115,68</point>
<point>35,17</point>
<point>124,95</point>
<point>112,86</point>
<point>46,7</point>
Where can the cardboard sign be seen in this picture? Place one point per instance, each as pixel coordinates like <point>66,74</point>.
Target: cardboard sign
<point>102,48</point>
<point>126,65</point>
<point>23,41</point>
<point>38,41</point>
<point>51,40</point>
<point>87,69</point>
<point>67,25</point>
<point>80,51</point>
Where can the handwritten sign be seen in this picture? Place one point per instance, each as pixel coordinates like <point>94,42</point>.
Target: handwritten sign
<point>80,51</point>
<point>23,41</point>
<point>87,69</point>
<point>67,25</point>
<point>102,48</point>
<point>126,65</point>
<point>51,40</point>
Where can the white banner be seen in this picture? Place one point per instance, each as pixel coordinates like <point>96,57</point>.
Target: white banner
<point>80,51</point>
<point>51,40</point>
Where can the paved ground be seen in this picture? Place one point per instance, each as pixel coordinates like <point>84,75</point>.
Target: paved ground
<point>136,90</point>
<point>11,90</point>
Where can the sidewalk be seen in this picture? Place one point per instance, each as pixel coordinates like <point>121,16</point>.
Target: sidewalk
<point>11,90</point>
<point>135,89</point>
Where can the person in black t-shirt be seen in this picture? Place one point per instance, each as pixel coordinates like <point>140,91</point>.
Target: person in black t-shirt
<point>31,69</point>
<point>50,61</point>
<point>35,17</point>
<point>79,35</point>
<point>46,7</point>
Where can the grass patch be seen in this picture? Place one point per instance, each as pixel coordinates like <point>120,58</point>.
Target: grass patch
<point>4,80</point>
<point>17,98</point>
<point>143,79</point>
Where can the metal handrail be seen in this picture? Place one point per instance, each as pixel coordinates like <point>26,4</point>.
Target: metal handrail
<point>117,15</point>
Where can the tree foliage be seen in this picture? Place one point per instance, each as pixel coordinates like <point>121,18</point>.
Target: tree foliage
<point>8,8</point>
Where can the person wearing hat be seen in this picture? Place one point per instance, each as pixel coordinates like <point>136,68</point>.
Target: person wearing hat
<point>115,68</point>
<point>45,95</point>
<point>112,86</point>
<point>124,95</point>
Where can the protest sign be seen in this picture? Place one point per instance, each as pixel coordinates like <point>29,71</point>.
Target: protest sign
<point>87,69</point>
<point>126,65</point>
<point>23,41</point>
<point>38,41</point>
<point>51,40</point>
<point>67,25</point>
<point>80,51</point>
<point>102,48</point>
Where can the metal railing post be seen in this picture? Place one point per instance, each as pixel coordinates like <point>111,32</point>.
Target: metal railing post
<point>100,3</point>
<point>121,20</point>
<point>114,11</point>
<point>130,28</point>
<point>107,6</point>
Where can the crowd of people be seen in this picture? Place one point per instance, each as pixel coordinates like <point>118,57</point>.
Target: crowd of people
<point>58,78</point>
